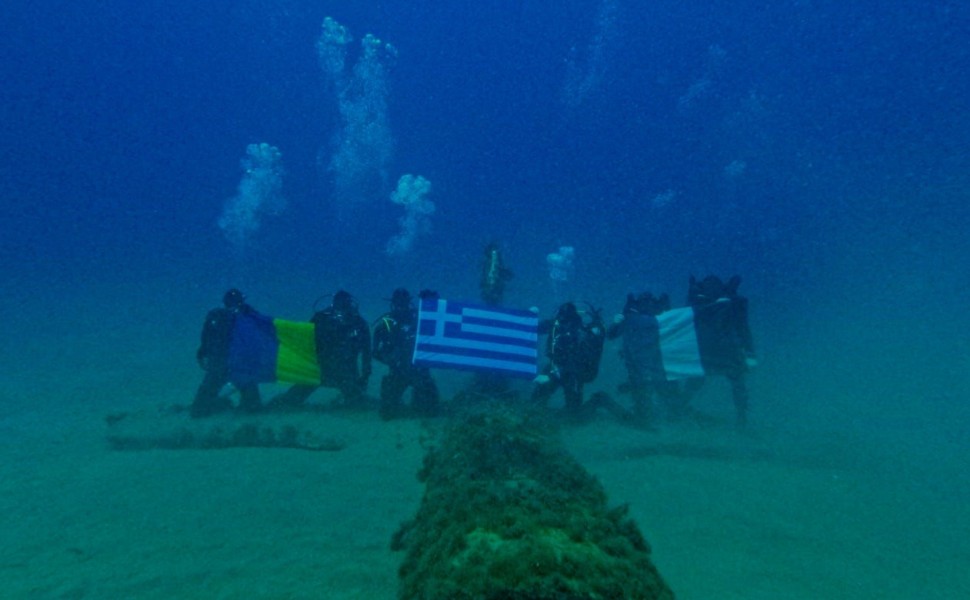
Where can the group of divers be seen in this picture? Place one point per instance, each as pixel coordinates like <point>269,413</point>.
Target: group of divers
<point>346,346</point>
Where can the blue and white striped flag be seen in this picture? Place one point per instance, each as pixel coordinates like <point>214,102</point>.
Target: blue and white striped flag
<point>479,338</point>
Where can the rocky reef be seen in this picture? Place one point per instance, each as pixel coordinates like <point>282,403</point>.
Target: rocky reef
<point>508,514</point>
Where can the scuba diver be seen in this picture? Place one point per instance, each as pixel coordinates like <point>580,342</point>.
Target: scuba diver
<point>395,335</point>
<point>343,353</point>
<point>574,349</point>
<point>491,283</point>
<point>640,331</point>
<point>494,274</point>
<point>213,357</point>
<point>724,337</point>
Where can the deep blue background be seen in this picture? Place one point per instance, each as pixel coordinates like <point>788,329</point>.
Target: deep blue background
<point>123,124</point>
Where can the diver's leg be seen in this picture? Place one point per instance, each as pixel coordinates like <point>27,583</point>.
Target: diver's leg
<point>572,389</point>
<point>297,395</point>
<point>640,395</point>
<point>393,386</point>
<point>346,378</point>
<point>739,393</point>
<point>352,391</point>
<point>545,387</point>
<point>607,403</point>
<point>249,399</point>
<point>670,397</point>
<point>207,399</point>
<point>690,389</point>
<point>424,393</point>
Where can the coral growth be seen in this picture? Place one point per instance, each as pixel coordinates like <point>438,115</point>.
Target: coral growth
<point>507,513</point>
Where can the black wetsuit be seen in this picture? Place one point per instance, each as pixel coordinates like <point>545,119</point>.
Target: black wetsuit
<point>641,356</point>
<point>569,365</point>
<point>344,354</point>
<point>213,357</point>
<point>394,338</point>
<point>728,341</point>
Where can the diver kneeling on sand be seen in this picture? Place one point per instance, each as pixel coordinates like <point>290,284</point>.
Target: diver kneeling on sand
<point>639,330</point>
<point>574,349</point>
<point>343,347</point>
<point>395,335</point>
<point>213,357</point>
<point>726,338</point>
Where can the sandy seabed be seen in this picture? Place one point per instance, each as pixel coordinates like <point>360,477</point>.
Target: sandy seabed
<point>791,509</point>
<point>755,515</point>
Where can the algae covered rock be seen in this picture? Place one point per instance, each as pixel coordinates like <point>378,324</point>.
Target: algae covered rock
<point>173,429</point>
<point>508,514</point>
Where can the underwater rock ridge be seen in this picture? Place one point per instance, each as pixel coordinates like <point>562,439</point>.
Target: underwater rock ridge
<point>508,514</point>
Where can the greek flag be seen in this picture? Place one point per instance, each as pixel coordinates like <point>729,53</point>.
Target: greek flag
<point>453,335</point>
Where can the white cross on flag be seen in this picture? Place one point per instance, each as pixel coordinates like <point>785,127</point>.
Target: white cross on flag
<point>491,339</point>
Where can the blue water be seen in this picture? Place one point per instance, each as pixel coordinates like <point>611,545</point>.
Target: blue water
<point>819,148</point>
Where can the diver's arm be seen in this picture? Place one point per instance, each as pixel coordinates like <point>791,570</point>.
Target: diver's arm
<point>381,339</point>
<point>545,326</point>
<point>365,350</point>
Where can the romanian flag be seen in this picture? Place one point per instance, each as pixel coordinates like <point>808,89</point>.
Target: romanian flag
<point>263,350</point>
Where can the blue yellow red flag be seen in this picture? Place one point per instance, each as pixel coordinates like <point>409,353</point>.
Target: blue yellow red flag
<point>263,350</point>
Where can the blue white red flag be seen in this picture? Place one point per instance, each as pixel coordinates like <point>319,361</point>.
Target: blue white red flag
<point>703,340</point>
<point>492,339</point>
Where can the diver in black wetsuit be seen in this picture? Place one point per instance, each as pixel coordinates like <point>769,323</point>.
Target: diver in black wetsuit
<point>213,357</point>
<point>574,349</point>
<point>491,283</point>
<point>343,353</point>
<point>395,335</point>
<point>494,274</point>
<point>640,332</point>
<point>727,346</point>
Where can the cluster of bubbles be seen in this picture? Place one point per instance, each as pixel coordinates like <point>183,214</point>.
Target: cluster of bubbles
<point>735,169</point>
<point>585,72</point>
<point>364,144</point>
<point>704,85</point>
<point>411,194</point>
<point>363,147</point>
<point>561,268</point>
<point>663,199</point>
<point>260,192</point>
<point>561,264</point>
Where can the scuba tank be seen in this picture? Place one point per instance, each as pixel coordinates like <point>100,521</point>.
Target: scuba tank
<point>575,343</point>
<point>494,274</point>
<point>590,347</point>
